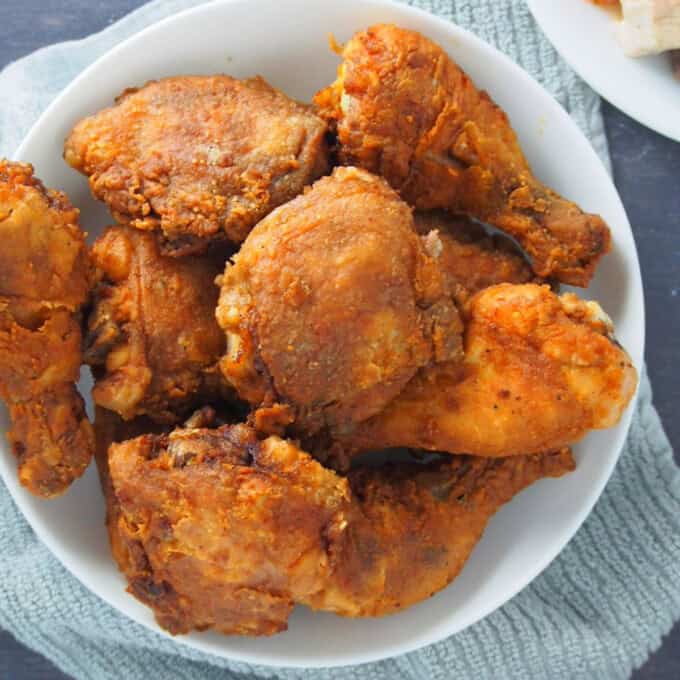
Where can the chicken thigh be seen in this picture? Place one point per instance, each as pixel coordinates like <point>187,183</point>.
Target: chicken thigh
<point>333,304</point>
<point>199,158</point>
<point>152,339</point>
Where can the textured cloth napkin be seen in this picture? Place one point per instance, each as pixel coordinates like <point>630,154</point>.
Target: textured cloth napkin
<point>596,612</point>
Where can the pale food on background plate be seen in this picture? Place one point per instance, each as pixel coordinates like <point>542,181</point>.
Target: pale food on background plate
<point>649,26</point>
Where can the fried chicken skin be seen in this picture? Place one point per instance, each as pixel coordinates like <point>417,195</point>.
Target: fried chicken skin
<point>221,530</point>
<point>152,339</point>
<point>109,428</point>
<point>470,259</point>
<point>45,276</point>
<point>332,304</point>
<point>199,158</point>
<point>540,371</point>
<point>403,109</point>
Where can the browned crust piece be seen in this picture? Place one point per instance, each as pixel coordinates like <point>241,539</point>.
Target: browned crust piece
<point>45,277</point>
<point>470,258</point>
<point>403,109</point>
<point>199,158</point>
<point>152,338</point>
<point>332,304</point>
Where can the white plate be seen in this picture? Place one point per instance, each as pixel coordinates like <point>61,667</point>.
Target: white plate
<point>585,35</point>
<point>287,43</point>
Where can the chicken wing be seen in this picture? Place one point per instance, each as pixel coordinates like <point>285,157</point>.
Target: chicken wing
<point>403,109</point>
<point>199,158</point>
<point>45,277</point>
<point>152,339</point>
<point>332,304</point>
<point>539,372</point>
<point>221,530</point>
<point>470,259</point>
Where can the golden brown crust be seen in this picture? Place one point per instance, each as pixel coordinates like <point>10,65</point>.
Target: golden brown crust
<point>403,109</point>
<point>152,337</point>
<point>540,371</point>
<point>199,157</point>
<point>470,258</point>
<point>415,527</point>
<point>226,524</point>
<point>45,276</point>
<point>109,427</point>
<point>47,261</point>
<point>333,304</point>
<point>231,532</point>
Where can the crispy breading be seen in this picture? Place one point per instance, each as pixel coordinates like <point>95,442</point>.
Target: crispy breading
<point>152,339</point>
<point>332,304</point>
<point>45,276</point>
<point>540,371</point>
<point>109,427</point>
<point>220,530</point>
<point>470,258</point>
<point>415,526</point>
<point>403,109</point>
<point>199,158</point>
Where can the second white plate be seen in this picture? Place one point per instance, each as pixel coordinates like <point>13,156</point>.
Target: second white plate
<point>585,35</point>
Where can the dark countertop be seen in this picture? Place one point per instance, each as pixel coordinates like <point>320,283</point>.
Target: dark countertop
<point>647,175</point>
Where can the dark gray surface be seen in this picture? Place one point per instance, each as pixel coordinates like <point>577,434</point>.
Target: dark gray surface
<point>646,172</point>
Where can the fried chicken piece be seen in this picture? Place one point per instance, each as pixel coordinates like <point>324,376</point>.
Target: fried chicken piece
<point>403,109</point>
<point>241,509</point>
<point>415,526</point>
<point>199,158</point>
<point>109,427</point>
<point>332,304</point>
<point>152,338</point>
<point>539,372</point>
<point>45,277</point>
<point>220,530</point>
<point>470,258</point>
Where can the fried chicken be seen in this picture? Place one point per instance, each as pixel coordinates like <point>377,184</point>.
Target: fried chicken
<point>470,258</point>
<point>109,427</point>
<point>220,530</point>
<point>45,276</point>
<point>199,158</point>
<point>540,371</point>
<point>152,338</point>
<point>403,109</point>
<point>332,304</point>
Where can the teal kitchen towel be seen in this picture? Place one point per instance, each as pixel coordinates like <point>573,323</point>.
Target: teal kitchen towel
<point>596,612</point>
